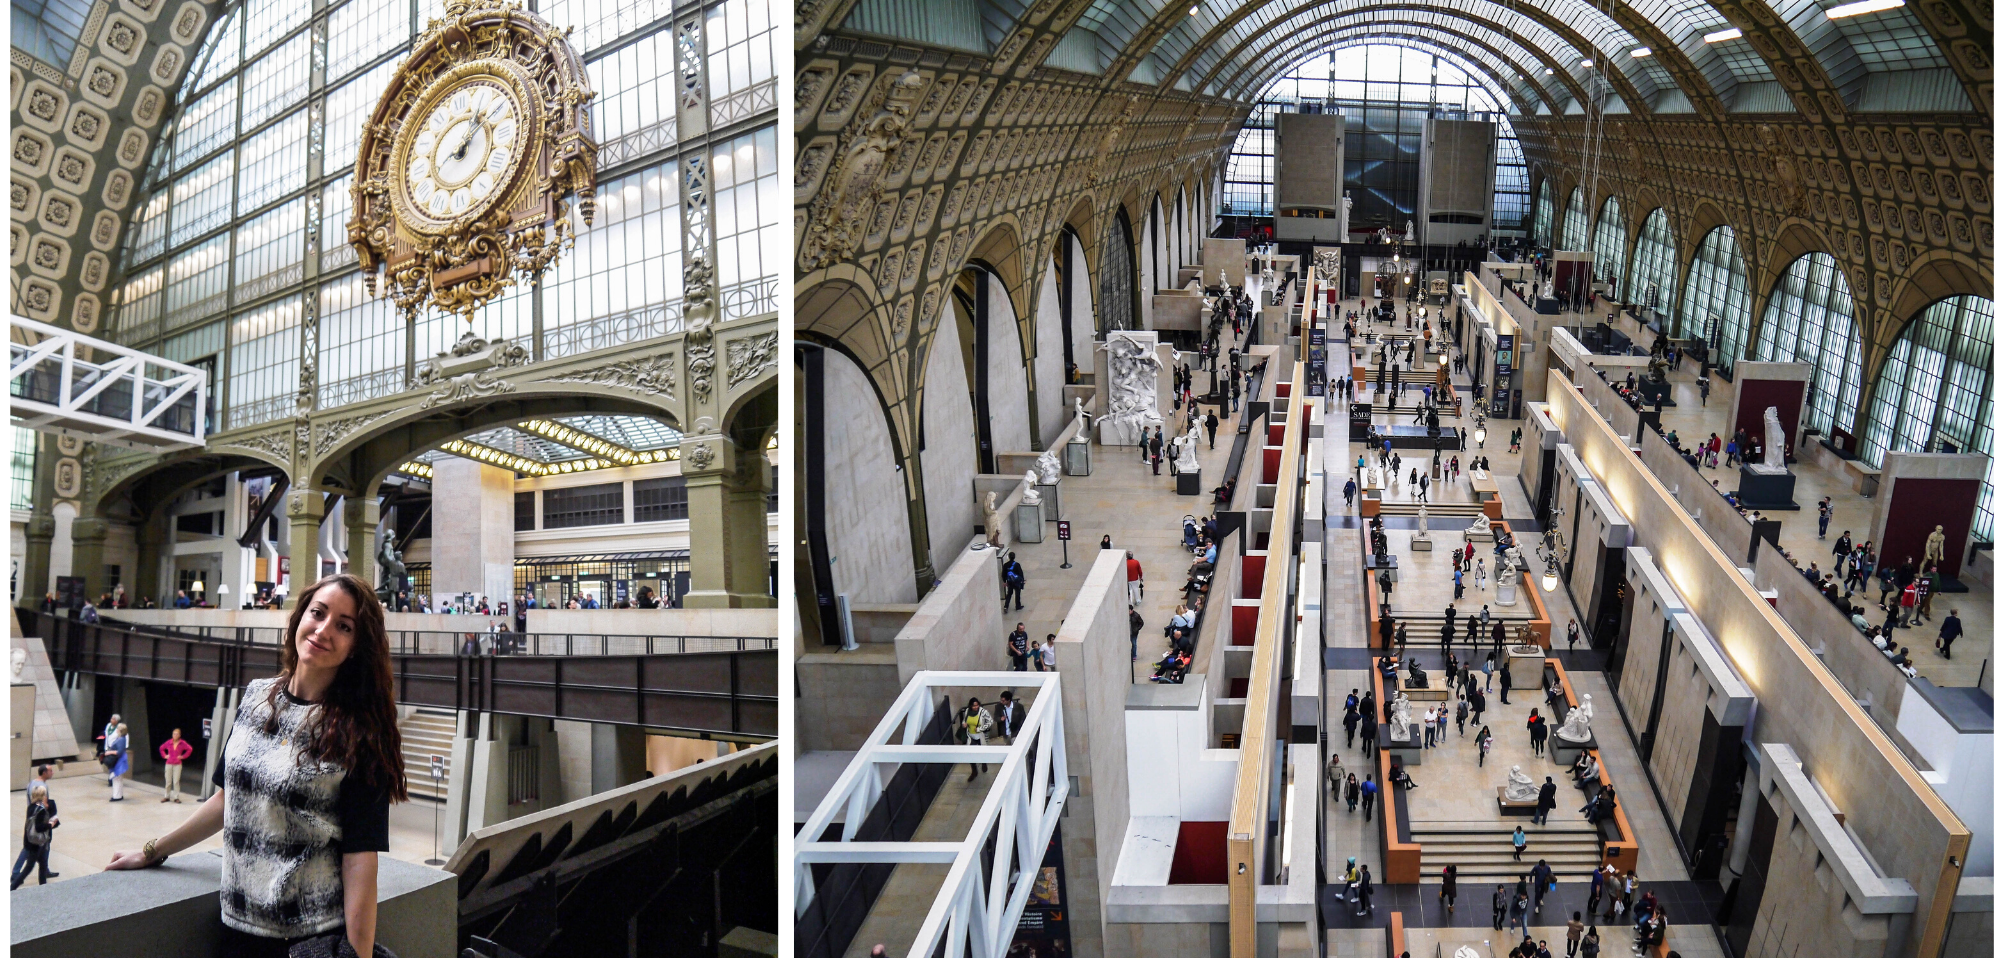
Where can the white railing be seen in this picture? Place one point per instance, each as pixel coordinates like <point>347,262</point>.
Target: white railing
<point>119,396</point>
<point>976,908</point>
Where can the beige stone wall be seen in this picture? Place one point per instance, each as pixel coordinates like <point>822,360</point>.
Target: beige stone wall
<point>1093,654</point>
<point>1889,809</point>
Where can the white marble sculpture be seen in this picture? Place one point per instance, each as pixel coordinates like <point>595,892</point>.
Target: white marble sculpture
<point>1504,574</point>
<point>1399,718</point>
<point>1549,290</point>
<point>1135,398</point>
<point>1576,725</point>
<point>1048,469</point>
<point>992,510</point>
<point>1410,231</point>
<point>1774,441</point>
<point>1521,788</point>
<point>1030,497</point>
<point>1480,524</point>
<point>1184,451</point>
<point>1934,546</point>
<point>1082,419</point>
<point>1424,523</point>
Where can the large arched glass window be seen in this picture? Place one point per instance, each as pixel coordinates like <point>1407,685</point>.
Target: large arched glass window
<point>1576,223</point>
<point>1608,243</point>
<point>1651,282</point>
<point>1715,303</point>
<point>1810,319</point>
<point>1545,215</point>
<point>1935,391</point>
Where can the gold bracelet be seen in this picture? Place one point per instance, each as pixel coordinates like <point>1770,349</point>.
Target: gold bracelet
<point>148,850</point>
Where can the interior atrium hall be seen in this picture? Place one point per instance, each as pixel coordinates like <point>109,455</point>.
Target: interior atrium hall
<point>1544,452</point>
<point>476,301</point>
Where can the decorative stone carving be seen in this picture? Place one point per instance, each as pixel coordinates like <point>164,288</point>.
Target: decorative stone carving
<point>1576,725</point>
<point>1135,399</point>
<point>1185,459</point>
<point>701,369</point>
<point>653,376</point>
<point>69,478</point>
<point>477,385</point>
<point>839,216</point>
<point>1480,524</point>
<point>331,433</point>
<point>750,356</point>
<point>1424,523</point>
<point>277,445</point>
<point>1048,468</point>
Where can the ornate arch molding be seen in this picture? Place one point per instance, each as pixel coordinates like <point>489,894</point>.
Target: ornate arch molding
<point>148,482</point>
<point>1792,239</point>
<point>1399,29</point>
<point>1934,276</point>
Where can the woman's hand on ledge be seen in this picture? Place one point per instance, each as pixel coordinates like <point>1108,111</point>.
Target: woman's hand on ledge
<point>125,861</point>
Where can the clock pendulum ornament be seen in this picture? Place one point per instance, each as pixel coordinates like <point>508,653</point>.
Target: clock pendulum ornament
<point>469,164</point>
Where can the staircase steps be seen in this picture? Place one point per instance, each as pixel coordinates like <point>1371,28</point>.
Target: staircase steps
<point>1426,626</point>
<point>1485,850</point>
<point>1466,510</point>
<point>426,733</point>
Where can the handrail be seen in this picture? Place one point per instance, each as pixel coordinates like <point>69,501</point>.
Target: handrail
<point>450,642</point>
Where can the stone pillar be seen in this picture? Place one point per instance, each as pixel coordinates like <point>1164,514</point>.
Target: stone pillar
<point>486,787</point>
<point>304,508</point>
<point>220,719</point>
<point>87,559</point>
<point>154,546</point>
<point>35,572</point>
<point>617,756</point>
<point>729,558</point>
<point>363,516</point>
<point>472,529</point>
<point>458,780</point>
<point>132,707</point>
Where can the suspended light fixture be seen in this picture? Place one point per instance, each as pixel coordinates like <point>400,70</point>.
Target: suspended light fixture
<point>1864,6</point>
<point>1479,435</point>
<point>1720,35</point>
<point>1549,578</point>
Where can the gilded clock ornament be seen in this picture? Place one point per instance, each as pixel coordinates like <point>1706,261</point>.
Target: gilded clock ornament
<point>468,167</point>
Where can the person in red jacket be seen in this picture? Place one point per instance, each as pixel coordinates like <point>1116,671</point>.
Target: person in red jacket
<point>173,751</point>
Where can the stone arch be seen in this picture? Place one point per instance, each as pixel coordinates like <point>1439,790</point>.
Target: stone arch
<point>1932,276</point>
<point>1793,238</point>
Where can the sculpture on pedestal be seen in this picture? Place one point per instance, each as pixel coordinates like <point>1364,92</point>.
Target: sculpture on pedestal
<point>1480,524</point>
<point>1424,522</point>
<point>1399,717</point>
<point>390,562</point>
<point>1576,725</point>
<point>1774,440</point>
<point>1082,419</point>
<point>1521,788</point>
<point>992,511</point>
<point>1184,451</point>
<point>1417,677</point>
<point>1029,497</point>
<point>1934,546</point>
<point>1135,397</point>
<point>1047,469</point>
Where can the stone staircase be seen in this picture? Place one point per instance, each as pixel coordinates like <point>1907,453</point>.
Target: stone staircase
<point>1484,851</point>
<point>1460,510</point>
<point>1426,626</point>
<point>428,732</point>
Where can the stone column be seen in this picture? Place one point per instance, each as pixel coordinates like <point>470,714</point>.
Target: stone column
<point>617,756</point>
<point>154,542</point>
<point>35,578</point>
<point>304,508</point>
<point>728,556</point>
<point>363,516</point>
<point>472,529</point>
<point>87,536</point>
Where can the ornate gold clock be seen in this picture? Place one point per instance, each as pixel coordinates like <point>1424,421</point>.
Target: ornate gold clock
<point>469,163</point>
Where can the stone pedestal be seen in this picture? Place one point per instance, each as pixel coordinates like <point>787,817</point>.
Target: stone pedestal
<point>1051,493</point>
<point>1509,594</point>
<point>1566,752</point>
<point>1076,457</point>
<point>1028,522</point>
<point>1410,751</point>
<point>1765,487</point>
<point>1524,665</point>
<point>1188,483</point>
<point>1420,544</point>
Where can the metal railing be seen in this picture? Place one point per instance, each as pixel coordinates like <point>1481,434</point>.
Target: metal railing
<point>61,378</point>
<point>617,329</point>
<point>442,642</point>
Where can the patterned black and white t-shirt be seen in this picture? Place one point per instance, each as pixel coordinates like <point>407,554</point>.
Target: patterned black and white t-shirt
<point>286,823</point>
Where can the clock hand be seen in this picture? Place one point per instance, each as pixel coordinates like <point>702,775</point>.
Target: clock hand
<point>465,143</point>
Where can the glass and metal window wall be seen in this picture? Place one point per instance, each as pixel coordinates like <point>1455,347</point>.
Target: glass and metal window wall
<point>1385,91</point>
<point>239,232</point>
<point>1935,391</point>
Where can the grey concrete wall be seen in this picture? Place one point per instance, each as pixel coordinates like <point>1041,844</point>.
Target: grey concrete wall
<point>1094,655</point>
<point>175,911</point>
<point>1855,662</point>
<point>867,515</point>
<point>52,736</point>
<point>951,451</point>
<point>1006,371</point>
<point>1703,501</point>
<point>1889,808</point>
<point>1856,912</point>
<point>958,626</point>
<point>1653,603</point>
<point>1310,150</point>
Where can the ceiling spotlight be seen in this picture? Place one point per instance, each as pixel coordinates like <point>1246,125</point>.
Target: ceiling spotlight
<point>1721,35</point>
<point>1196,8</point>
<point>1865,6</point>
<point>1549,71</point>
<point>1589,63</point>
<point>1648,51</point>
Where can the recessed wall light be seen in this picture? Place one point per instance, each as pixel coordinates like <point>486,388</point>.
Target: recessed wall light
<point>1720,35</point>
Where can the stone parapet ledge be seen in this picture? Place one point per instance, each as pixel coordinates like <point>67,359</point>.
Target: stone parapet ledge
<point>1870,892</point>
<point>175,911</point>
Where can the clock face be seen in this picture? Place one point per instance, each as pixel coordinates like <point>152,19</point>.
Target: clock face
<point>463,152</point>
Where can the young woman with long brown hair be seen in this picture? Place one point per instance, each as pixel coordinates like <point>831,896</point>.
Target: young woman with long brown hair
<point>303,789</point>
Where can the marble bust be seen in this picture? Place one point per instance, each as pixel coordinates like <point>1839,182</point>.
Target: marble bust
<point>1521,788</point>
<point>1576,725</point>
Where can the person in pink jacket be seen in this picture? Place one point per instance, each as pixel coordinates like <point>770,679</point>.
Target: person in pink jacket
<point>173,751</point>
